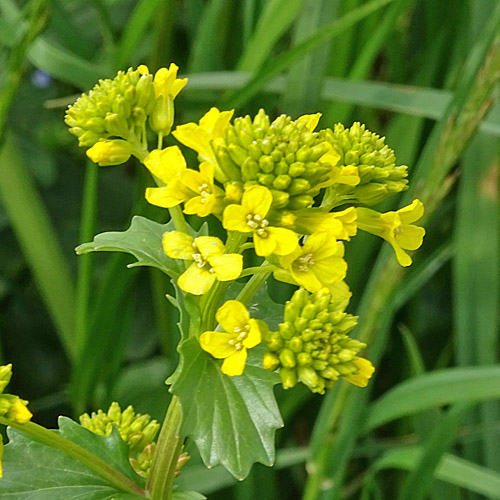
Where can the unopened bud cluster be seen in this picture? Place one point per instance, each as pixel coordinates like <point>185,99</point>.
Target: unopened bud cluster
<point>312,345</point>
<point>137,430</point>
<point>283,155</point>
<point>375,161</point>
<point>113,108</point>
<point>12,407</point>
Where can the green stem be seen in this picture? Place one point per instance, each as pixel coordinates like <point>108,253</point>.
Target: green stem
<point>178,218</point>
<point>168,449</point>
<point>55,440</point>
<point>253,285</point>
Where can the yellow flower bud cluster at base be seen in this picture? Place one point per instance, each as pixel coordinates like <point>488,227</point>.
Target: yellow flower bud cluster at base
<point>312,345</point>
<point>137,430</point>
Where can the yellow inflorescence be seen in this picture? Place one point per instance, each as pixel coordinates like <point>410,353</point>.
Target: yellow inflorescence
<point>290,192</point>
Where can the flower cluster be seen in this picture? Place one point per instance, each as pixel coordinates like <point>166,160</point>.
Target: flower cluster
<point>137,430</point>
<point>312,345</point>
<point>289,193</point>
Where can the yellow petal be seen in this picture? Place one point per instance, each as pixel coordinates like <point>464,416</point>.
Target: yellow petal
<point>178,245</point>
<point>412,212</point>
<point>194,137</point>
<point>366,370</point>
<point>232,314</point>
<point>196,280</point>
<point>200,206</point>
<point>285,240</point>
<point>410,237</point>
<point>215,122</point>
<point>264,246</point>
<point>307,279</point>
<point>234,218</point>
<point>217,344</point>
<point>165,196</point>
<point>227,267</point>
<point>403,258</point>
<point>19,412</point>
<point>209,246</point>
<point>311,121</point>
<point>330,270</point>
<point>257,200</point>
<point>166,164</point>
<point>254,335</point>
<point>235,364</point>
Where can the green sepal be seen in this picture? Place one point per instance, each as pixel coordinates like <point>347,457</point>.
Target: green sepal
<point>231,419</point>
<point>143,239</point>
<point>33,469</point>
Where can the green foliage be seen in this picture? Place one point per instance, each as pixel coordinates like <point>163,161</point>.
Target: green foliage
<point>26,464</point>
<point>232,419</point>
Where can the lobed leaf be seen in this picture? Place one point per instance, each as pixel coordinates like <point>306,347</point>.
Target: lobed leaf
<point>231,419</point>
<point>142,240</point>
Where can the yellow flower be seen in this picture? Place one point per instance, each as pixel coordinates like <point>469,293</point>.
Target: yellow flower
<point>364,374</point>
<point>395,228</point>
<point>249,217</point>
<point>112,152</point>
<point>210,263</point>
<point>166,82</point>
<point>318,263</point>
<point>241,333</point>
<point>200,136</point>
<point>195,189</point>
<point>341,225</point>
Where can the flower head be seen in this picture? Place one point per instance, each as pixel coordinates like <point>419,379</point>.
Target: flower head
<point>318,263</point>
<point>374,163</point>
<point>250,217</point>
<point>395,228</point>
<point>137,430</point>
<point>312,345</point>
<point>113,108</point>
<point>210,263</point>
<point>284,155</point>
<point>240,333</point>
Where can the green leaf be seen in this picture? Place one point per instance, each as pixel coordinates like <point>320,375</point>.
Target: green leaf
<point>35,470</point>
<point>231,419</point>
<point>264,308</point>
<point>142,239</point>
<point>442,387</point>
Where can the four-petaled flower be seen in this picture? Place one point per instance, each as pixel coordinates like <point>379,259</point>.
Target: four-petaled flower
<point>250,217</point>
<point>395,228</point>
<point>240,333</point>
<point>318,263</point>
<point>210,263</point>
<point>199,137</point>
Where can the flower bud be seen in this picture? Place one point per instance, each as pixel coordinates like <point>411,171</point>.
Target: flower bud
<point>114,152</point>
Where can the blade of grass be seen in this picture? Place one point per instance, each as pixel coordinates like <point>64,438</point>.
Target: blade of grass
<point>476,286</point>
<point>296,53</point>
<point>208,45</point>
<point>451,469</point>
<point>275,19</point>
<point>139,21</point>
<point>305,78</point>
<point>39,242</point>
<point>419,482</point>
